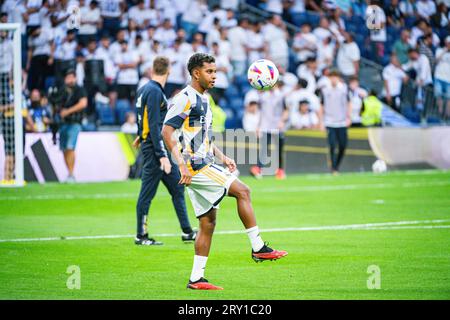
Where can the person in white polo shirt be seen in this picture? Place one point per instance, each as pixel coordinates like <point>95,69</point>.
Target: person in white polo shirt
<point>348,57</point>
<point>393,77</point>
<point>335,115</point>
<point>127,76</point>
<point>111,11</point>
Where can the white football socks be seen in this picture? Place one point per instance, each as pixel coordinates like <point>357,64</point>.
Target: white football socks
<point>255,238</point>
<point>198,269</point>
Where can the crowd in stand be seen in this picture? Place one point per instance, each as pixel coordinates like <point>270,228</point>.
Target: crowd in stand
<point>112,43</point>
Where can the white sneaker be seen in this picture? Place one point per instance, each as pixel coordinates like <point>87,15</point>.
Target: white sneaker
<point>70,179</point>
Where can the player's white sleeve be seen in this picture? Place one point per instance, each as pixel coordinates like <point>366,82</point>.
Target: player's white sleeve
<point>178,111</point>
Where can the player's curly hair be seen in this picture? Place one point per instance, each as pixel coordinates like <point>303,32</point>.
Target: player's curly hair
<point>197,60</point>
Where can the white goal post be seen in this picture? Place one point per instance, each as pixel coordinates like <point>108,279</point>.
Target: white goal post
<point>11,97</point>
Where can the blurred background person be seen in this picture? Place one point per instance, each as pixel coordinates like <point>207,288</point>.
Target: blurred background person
<point>39,112</point>
<point>356,95</point>
<point>274,116</point>
<point>303,117</point>
<point>252,117</point>
<point>71,114</point>
<point>335,116</point>
<point>238,43</point>
<point>371,110</point>
<point>130,125</point>
<point>348,56</point>
<point>393,77</point>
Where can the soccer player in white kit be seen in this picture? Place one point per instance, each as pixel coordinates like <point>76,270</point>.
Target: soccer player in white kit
<point>207,183</point>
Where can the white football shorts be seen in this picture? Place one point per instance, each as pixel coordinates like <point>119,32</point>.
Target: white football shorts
<point>208,187</point>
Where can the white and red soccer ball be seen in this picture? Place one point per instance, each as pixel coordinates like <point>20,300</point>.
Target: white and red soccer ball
<point>263,74</point>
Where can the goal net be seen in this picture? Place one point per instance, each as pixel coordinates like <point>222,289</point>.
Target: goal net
<point>11,115</point>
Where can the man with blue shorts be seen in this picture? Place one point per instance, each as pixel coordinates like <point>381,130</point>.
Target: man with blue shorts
<point>71,112</point>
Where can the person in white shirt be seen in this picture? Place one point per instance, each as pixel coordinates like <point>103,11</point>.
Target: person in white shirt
<point>378,35</point>
<point>90,21</point>
<point>408,7</point>
<point>274,116</point>
<point>109,68</point>
<point>198,45</point>
<point>165,34</point>
<point>310,73</point>
<point>33,12</point>
<point>192,16</point>
<point>116,47</point>
<point>238,42</point>
<point>148,33</point>
<point>324,80</point>
<point>335,116</point>
<point>229,4</point>
<point>230,21</point>
<point>275,37</point>
<point>421,65</point>
<point>140,14</point>
<point>213,34</point>
<point>426,8</point>
<point>209,21</point>
<point>224,43</point>
<point>300,93</point>
<point>146,77</point>
<point>66,51</point>
<point>18,14</point>
<point>178,72</point>
<point>419,69</point>
<point>418,31</point>
<point>185,47</point>
<point>252,117</point>
<point>111,11</point>
<point>223,75</point>
<point>127,77</point>
<point>40,58</point>
<point>255,42</point>
<point>348,56</point>
<point>325,54</point>
<point>442,77</point>
<point>57,33</point>
<point>337,24</point>
<point>94,79</point>
<point>393,77</point>
<point>102,52</point>
<point>323,30</point>
<point>356,95</point>
<point>274,6</point>
<point>155,49</point>
<point>288,79</point>
<point>168,10</point>
<point>130,126</point>
<point>305,43</point>
<point>303,118</point>
<point>252,95</point>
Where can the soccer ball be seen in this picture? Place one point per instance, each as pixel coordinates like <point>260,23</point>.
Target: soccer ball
<point>262,74</point>
<point>379,166</point>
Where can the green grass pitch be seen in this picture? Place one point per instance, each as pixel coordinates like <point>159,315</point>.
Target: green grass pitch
<point>339,226</point>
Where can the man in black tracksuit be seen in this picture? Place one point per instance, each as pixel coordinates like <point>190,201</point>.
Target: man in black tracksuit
<point>151,108</point>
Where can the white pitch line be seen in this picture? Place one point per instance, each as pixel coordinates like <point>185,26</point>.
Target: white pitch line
<point>290,189</point>
<point>409,227</point>
<point>367,226</point>
<point>358,186</point>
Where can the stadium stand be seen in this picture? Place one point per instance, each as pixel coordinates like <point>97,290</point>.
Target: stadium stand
<point>150,27</point>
